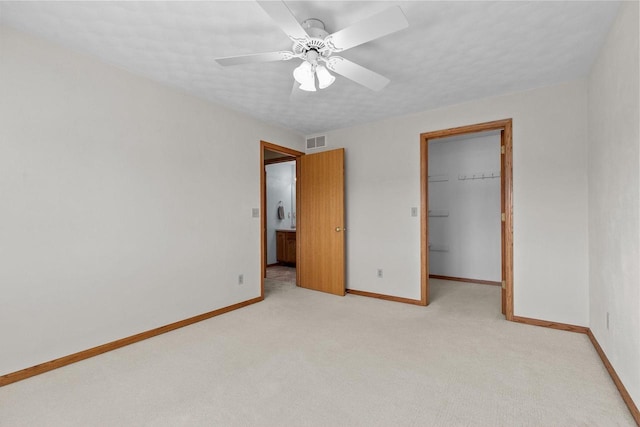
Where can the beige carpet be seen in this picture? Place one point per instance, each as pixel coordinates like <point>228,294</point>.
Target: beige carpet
<point>303,358</point>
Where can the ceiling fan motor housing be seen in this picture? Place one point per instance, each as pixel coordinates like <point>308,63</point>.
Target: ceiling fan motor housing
<point>315,41</point>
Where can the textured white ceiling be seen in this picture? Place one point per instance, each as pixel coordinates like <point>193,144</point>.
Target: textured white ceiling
<point>452,52</point>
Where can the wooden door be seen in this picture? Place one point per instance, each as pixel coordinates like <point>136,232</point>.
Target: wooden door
<point>321,222</point>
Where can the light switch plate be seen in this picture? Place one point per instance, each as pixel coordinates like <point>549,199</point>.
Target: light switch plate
<point>255,213</point>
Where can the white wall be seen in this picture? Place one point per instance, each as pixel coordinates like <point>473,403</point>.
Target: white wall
<point>550,198</point>
<point>281,187</point>
<point>466,242</point>
<point>126,205</point>
<point>614,195</point>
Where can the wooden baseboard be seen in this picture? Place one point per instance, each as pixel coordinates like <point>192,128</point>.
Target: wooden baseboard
<point>552,325</point>
<point>626,397</point>
<point>385,297</point>
<point>462,279</point>
<point>616,380</point>
<point>76,357</point>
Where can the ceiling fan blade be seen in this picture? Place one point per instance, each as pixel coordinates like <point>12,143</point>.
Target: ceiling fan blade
<point>357,73</point>
<point>255,58</point>
<point>386,22</point>
<point>280,13</point>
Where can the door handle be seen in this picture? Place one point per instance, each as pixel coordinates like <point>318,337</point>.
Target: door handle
<point>338,229</point>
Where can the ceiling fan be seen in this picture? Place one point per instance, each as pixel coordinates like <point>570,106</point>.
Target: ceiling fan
<point>316,47</point>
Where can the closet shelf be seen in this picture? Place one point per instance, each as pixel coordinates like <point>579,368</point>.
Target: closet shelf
<point>438,213</point>
<point>438,248</point>
<point>438,178</point>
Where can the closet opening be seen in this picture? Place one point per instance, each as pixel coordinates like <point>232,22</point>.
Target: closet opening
<point>466,201</point>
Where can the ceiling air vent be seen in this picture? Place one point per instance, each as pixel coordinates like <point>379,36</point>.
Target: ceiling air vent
<point>316,142</point>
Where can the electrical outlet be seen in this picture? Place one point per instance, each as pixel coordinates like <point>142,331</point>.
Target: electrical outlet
<point>240,279</point>
<point>607,320</point>
<point>380,273</point>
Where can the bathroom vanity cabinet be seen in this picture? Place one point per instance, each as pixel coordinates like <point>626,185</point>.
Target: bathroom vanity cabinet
<point>286,246</point>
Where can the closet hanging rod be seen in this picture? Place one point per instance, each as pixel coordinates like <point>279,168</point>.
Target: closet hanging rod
<point>478,175</point>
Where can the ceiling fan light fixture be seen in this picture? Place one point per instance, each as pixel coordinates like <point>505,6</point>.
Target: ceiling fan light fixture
<point>325,79</point>
<point>309,86</point>
<point>303,72</point>
<point>305,76</point>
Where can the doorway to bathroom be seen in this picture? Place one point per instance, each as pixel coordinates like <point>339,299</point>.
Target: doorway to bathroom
<point>279,219</point>
<point>316,227</point>
<point>280,214</point>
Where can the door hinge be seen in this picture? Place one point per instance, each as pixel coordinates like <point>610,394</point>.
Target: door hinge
<point>502,149</point>
<point>504,284</point>
<point>504,217</point>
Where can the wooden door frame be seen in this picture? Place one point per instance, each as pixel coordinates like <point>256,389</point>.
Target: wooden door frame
<point>264,145</point>
<point>506,190</point>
